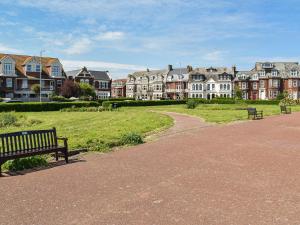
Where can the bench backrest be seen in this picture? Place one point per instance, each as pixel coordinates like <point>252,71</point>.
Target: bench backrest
<point>25,141</point>
<point>251,111</point>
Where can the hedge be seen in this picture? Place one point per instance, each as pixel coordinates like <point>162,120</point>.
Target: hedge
<point>234,101</point>
<point>146,103</point>
<point>43,106</point>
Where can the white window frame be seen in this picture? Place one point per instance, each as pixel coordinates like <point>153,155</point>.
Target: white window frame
<point>55,70</point>
<point>24,84</point>
<point>7,68</point>
<point>9,82</point>
<point>29,68</point>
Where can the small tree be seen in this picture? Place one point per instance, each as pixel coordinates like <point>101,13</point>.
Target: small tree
<point>36,88</point>
<point>87,90</point>
<point>70,89</point>
<point>287,100</point>
<point>237,92</point>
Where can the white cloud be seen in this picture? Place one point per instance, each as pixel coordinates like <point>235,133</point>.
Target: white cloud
<point>79,46</point>
<point>75,64</point>
<point>6,49</point>
<point>215,56</point>
<point>110,36</point>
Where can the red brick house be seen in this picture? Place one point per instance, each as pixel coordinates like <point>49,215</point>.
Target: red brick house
<point>19,72</point>
<point>118,88</point>
<point>100,80</point>
<point>268,79</point>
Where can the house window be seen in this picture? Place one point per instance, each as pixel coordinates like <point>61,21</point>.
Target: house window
<point>274,72</point>
<point>87,81</point>
<point>59,83</point>
<point>208,87</point>
<point>9,82</point>
<point>255,77</point>
<point>290,83</point>
<point>43,83</point>
<point>254,85</point>
<point>24,84</point>
<point>51,85</point>
<point>38,68</point>
<point>55,70</point>
<point>29,68</point>
<point>193,87</point>
<point>7,68</point>
<point>213,86</point>
<point>228,86</point>
<point>262,73</point>
<point>294,73</point>
<point>295,83</point>
<point>221,86</point>
<point>262,84</point>
<point>200,87</point>
<point>244,85</point>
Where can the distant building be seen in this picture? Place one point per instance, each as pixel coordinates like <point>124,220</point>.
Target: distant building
<point>19,72</point>
<point>118,88</point>
<point>209,83</point>
<point>146,85</point>
<point>100,80</point>
<point>268,79</point>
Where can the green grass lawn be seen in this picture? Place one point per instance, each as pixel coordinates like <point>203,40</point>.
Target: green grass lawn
<point>102,129</point>
<point>222,113</point>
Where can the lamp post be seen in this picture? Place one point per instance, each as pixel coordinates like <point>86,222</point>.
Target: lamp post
<point>41,69</point>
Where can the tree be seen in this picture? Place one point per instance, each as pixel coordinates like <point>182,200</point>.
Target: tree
<point>87,90</point>
<point>36,88</point>
<point>70,89</point>
<point>237,92</point>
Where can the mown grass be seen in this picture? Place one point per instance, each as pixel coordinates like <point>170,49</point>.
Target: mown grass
<point>98,130</point>
<point>222,113</point>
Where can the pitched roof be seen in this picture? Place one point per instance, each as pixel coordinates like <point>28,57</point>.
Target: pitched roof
<point>22,59</point>
<point>98,75</point>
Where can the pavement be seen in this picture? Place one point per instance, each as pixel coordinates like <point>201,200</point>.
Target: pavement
<point>193,174</point>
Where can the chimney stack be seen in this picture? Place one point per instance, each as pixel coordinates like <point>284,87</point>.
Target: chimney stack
<point>234,69</point>
<point>170,67</point>
<point>189,68</point>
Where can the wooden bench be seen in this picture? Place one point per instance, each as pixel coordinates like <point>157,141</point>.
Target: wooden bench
<point>30,143</point>
<point>252,112</point>
<point>285,110</point>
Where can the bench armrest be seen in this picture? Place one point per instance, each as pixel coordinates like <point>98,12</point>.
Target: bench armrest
<point>65,141</point>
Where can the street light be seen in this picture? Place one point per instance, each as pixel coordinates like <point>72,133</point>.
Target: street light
<point>41,69</point>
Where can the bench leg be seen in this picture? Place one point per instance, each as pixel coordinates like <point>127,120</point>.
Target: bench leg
<point>56,156</point>
<point>66,154</point>
<point>0,169</point>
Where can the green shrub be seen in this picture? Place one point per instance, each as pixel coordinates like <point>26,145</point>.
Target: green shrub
<point>60,99</point>
<point>131,139</point>
<point>25,163</point>
<point>7,119</point>
<point>145,103</point>
<point>191,104</point>
<point>83,109</point>
<point>107,105</point>
<point>44,106</point>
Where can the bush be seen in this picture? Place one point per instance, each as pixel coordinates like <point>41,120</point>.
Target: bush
<point>25,163</point>
<point>107,105</point>
<point>44,106</point>
<point>191,104</point>
<point>131,139</point>
<point>87,90</point>
<point>83,109</point>
<point>7,119</point>
<point>60,99</point>
<point>145,103</point>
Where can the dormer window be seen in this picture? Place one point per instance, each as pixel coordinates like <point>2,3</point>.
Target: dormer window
<point>274,73</point>
<point>294,73</point>
<point>267,65</point>
<point>262,73</point>
<point>29,68</point>
<point>255,77</point>
<point>7,68</point>
<point>55,71</point>
<point>38,68</point>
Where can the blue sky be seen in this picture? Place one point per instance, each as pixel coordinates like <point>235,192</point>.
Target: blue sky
<point>124,36</point>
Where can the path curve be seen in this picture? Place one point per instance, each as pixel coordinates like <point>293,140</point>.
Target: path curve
<point>245,173</point>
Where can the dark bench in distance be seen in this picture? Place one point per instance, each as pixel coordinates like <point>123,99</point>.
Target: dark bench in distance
<point>285,110</point>
<point>254,114</point>
<point>30,143</point>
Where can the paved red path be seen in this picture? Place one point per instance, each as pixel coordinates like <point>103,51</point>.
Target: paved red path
<point>246,173</point>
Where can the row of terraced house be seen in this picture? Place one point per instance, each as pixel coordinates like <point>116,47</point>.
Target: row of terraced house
<point>265,81</point>
<point>18,73</point>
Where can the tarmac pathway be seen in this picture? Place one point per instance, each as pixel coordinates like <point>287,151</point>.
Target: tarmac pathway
<point>193,174</point>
